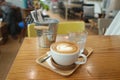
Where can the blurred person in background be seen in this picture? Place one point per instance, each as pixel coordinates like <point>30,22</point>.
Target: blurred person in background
<point>12,16</point>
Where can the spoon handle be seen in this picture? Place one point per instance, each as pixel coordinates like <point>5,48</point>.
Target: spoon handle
<point>44,59</point>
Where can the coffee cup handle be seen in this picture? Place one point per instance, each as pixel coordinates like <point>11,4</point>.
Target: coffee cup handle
<point>83,61</point>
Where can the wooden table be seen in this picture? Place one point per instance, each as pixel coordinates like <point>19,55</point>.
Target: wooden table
<point>103,64</point>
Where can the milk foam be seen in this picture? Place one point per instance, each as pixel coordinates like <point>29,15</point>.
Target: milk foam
<point>64,47</point>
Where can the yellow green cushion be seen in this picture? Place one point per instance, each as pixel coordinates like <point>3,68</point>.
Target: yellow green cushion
<point>31,32</point>
<point>73,26</point>
<point>63,28</point>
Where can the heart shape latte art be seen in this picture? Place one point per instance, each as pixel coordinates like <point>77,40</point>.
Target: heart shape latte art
<point>65,47</point>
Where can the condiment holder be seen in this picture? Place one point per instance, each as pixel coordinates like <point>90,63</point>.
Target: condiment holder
<point>46,32</point>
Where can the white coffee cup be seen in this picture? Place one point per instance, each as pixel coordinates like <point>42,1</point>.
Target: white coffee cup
<point>66,53</point>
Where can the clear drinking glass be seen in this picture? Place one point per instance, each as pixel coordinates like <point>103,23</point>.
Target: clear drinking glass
<point>46,39</point>
<point>79,38</point>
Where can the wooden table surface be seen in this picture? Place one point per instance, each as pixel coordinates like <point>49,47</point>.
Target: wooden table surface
<point>103,64</point>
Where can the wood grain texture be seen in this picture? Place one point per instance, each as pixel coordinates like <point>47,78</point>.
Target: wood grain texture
<point>103,64</point>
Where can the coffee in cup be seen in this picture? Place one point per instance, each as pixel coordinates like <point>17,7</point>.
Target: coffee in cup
<point>66,53</point>
<point>65,47</point>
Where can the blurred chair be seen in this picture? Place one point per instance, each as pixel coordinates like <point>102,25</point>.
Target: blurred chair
<point>62,10</point>
<point>114,28</point>
<point>73,26</point>
<point>61,7</point>
<point>54,6</point>
<point>31,31</point>
<point>77,11</point>
<point>88,12</point>
<point>63,28</point>
<point>103,24</point>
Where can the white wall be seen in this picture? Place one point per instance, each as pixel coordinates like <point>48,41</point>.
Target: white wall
<point>19,3</point>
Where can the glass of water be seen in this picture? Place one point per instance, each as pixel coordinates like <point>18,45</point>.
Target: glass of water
<point>79,38</point>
